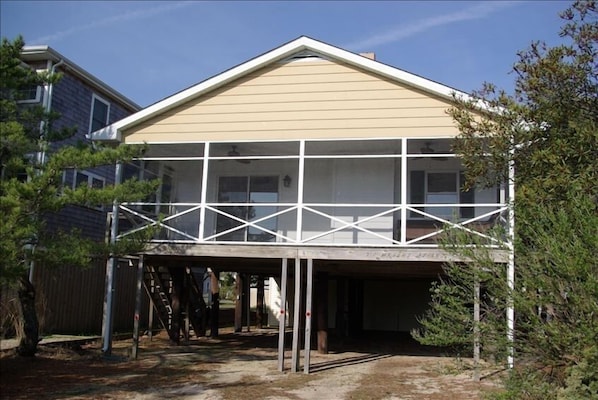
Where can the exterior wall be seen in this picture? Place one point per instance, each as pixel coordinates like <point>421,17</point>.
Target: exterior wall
<point>187,189</point>
<point>363,182</point>
<point>70,300</point>
<point>72,99</point>
<point>302,100</point>
<point>274,303</point>
<point>345,181</point>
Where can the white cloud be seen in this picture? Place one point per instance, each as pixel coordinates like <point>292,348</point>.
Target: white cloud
<point>478,11</point>
<point>130,16</point>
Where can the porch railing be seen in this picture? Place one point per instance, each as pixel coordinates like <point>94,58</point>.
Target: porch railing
<point>312,223</point>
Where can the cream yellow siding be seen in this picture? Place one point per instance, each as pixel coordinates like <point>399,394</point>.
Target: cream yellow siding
<point>302,100</point>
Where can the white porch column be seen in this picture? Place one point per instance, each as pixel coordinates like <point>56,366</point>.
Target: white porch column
<point>404,200</point>
<point>204,192</point>
<point>110,268</point>
<point>300,184</point>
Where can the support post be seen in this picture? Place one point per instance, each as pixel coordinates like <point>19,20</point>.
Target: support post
<point>239,302</point>
<point>322,311</point>
<point>107,318</point>
<point>283,312</point>
<point>150,319</point>
<point>247,298</point>
<point>176,302</point>
<point>296,317</point>
<point>259,309</point>
<point>476,330</point>
<point>308,313</point>
<point>108,307</point>
<point>150,316</point>
<point>137,308</point>
<point>185,294</point>
<point>215,314</point>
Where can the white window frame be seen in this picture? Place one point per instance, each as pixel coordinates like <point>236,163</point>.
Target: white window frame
<point>248,201</point>
<point>38,91</point>
<point>36,99</point>
<point>95,97</point>
<point>456,193</point>
<point>90,177</point>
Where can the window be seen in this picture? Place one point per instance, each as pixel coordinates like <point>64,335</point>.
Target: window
<point>90,180</point>
<point>87,178</point>
<point>245,189</point>
<point>31,94</point>
<point>442,188</point>
<point>100,110</point>
<point>430,187</point>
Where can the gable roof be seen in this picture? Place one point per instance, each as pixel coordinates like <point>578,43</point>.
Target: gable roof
<point>46,53</point>
<point>300,45</point>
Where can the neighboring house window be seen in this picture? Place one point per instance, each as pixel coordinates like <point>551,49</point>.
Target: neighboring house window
<point>89,179</point>
<point>430,187</point>
<point>31,94</point>
<point>247,189</point>
<point>100,110</point>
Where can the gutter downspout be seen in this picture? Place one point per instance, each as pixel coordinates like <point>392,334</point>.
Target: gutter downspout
<point>41,154</point>
<point>47,104</point>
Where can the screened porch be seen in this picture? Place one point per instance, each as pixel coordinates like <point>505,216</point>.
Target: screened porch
<point>387,192</point>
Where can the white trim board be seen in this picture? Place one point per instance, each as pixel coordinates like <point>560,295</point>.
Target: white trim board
<point>302,44</point>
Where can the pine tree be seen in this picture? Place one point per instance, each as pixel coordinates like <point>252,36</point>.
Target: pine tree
<point>31,188</point>
<point>548,130</point>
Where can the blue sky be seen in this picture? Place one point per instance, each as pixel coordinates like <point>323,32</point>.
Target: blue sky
<point>148,50</point>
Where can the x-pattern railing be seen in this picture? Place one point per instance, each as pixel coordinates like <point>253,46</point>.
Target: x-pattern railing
<point>494,215</point>
<point>146,221</point>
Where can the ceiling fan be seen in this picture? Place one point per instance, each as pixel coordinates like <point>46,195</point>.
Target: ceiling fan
<point>234,153</point>
<point>427,149</point>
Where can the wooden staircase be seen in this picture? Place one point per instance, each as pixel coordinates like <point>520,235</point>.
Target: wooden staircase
<point>177,299</point>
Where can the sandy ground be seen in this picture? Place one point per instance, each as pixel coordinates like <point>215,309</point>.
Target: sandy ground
<point>238,366</point>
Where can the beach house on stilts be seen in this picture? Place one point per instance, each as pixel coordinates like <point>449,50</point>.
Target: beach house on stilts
<point>326,170</point>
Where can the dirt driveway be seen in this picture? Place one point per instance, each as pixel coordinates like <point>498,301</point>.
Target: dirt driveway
<point>235,366</point>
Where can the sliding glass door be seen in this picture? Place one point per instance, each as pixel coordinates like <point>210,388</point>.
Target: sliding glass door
<point>246,193</point>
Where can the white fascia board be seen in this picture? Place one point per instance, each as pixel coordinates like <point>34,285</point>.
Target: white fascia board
<point>394,73</point>
<point>385,70</point>
<point>113,132</point>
